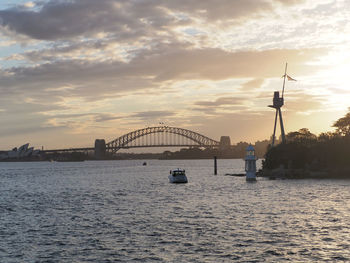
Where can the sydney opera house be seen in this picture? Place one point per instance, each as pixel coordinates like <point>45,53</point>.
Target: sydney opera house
<point>21,153</point>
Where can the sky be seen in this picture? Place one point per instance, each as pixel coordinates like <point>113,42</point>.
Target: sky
<point>72,71</point>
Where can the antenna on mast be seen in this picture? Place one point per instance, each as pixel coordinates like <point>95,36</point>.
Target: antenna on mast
<point>278,102</point>
<point>284,78</point>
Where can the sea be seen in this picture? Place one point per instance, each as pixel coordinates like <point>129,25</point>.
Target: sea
<point>124,211</point>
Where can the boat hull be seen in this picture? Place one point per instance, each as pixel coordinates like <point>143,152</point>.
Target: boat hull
<point>178,179</point>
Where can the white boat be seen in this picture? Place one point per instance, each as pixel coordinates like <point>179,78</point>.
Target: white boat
<point>177,176</point>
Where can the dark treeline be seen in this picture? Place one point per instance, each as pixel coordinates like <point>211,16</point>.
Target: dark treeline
<point>329,151</point>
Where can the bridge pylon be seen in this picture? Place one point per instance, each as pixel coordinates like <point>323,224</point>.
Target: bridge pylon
<point>100,149</point>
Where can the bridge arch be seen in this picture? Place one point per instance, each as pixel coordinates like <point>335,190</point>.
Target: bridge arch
<point>124,140</point>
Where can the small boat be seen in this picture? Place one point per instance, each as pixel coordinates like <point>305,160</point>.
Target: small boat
<point>144,164</point>
<point>177,176</point>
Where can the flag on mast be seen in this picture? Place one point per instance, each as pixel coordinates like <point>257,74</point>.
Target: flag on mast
<point>289,78</point>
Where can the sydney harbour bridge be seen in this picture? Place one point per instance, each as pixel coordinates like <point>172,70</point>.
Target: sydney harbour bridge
<point>159,136</point>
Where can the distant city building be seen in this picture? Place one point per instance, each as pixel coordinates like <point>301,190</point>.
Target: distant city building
<point>225,142</point>
<point>22,152</point>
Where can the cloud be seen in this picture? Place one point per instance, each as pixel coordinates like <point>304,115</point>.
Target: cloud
<point>24,119</point>
<point>150,68</point>
<point>65,19</point>
<point>217,64</point>
<point>303,102</point>
<point>222,101</point>
<point>240,126</point>
<point>69,116</point>
<point>19,107</point>
<point>29,4</point>
<point>253,84</point>
<point>220,105</point>
<point>152,115</point>
<point>25,130</point>
<point>220,10</point>
<point>103,117</point>
<point>68,19</point>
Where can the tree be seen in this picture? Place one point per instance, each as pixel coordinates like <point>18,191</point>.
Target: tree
<point>327,136</point>
<point>343,124</point>
<point>303,136</point>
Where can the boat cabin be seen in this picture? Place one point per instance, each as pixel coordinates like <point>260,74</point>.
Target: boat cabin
<point>177,172</point>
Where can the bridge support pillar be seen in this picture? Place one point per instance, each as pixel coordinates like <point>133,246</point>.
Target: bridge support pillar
<point>225,142</point>
<point>100,149</point>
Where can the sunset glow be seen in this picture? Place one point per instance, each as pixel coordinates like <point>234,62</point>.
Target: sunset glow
<point>74,71</point>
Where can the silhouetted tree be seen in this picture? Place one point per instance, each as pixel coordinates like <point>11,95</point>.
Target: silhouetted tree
<point>330,151</point>
<point>325,136</point>
<point>343,124</point>
<point>303,136</point>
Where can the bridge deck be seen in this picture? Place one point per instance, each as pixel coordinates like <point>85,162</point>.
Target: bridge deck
<point>123,147</point>
<point>140,139</point>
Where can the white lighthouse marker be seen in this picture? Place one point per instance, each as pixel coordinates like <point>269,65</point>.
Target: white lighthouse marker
<point>250,164</point>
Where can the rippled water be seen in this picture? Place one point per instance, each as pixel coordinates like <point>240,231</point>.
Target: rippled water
<point>112,211</point>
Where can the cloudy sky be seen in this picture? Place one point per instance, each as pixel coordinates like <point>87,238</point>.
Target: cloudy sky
<point>72,71</point>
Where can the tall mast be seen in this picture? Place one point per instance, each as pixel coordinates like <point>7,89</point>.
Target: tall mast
<point>284,79</point>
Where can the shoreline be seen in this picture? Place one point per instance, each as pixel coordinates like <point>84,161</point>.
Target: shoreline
<point>281,173</point>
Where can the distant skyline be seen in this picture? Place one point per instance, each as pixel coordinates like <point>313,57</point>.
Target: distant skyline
<point>72,71</point>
